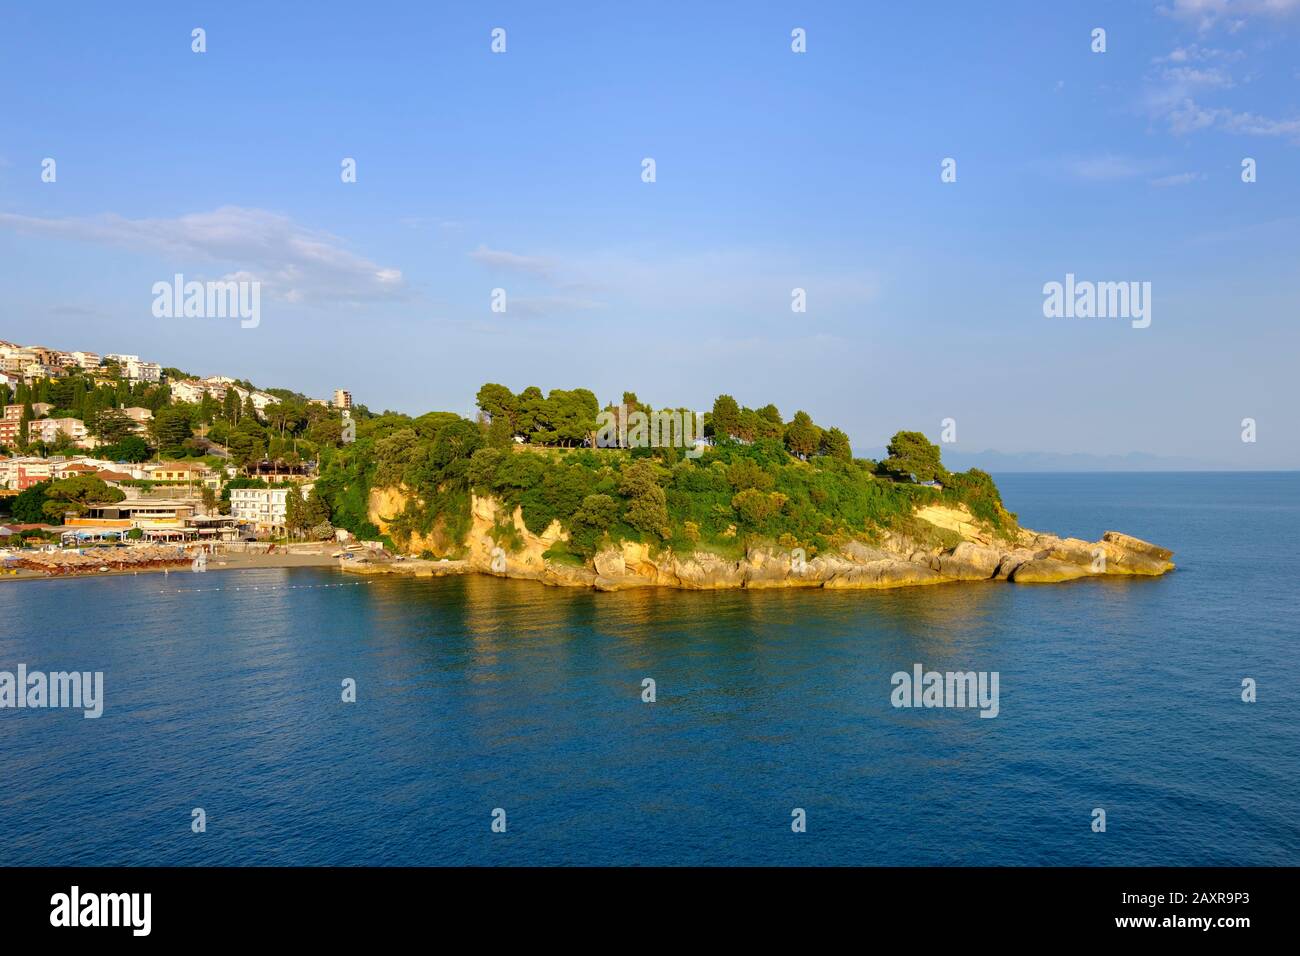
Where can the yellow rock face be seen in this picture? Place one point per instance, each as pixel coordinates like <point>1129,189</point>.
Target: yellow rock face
<point>897,562</point>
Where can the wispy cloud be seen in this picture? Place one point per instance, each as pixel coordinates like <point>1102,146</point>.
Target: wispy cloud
<point>532,307</point>
<point>1174,94</point>
<point>1231,15</point>
<point>1105,167</point>
<point>720,282</point>
<point>538,266</point>
<point>293,262</point>
<point>1177,179</point>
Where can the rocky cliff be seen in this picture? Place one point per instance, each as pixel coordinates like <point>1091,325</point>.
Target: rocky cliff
<point>502,545</point>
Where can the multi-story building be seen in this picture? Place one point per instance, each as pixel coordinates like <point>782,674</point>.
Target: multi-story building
<point>19,474</point>
<point>48,429</point>
<point>342,398</point>
<point>35,371</point>
<point>188,390</point>
<point>136,370</point>
<point>11,425</point>
<point>46,355</point>
<point>144,372</point>
<point>263,508</point>
<point>261,400</point>
<point>84,359</point>
<point>14,361</point>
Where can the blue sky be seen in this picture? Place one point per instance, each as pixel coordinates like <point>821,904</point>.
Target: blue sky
<point>775,170</point>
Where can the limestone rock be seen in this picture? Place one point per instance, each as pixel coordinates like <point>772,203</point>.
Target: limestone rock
<point>1047,571</point>
<point>1130,543</point>
<point>969,562</point>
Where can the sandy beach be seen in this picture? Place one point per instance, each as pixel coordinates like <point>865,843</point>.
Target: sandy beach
<point>140,561</point>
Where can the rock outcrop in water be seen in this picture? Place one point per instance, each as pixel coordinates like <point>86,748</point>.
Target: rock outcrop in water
<point>895,561</point>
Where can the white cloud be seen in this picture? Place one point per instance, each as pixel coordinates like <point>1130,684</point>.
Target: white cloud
<point>1105,167</point>
<point>293,263</point>
<point>1194,53</point>
<point>538,266</point>
<point>1173,95</point>
<point>538,305</point>
<point>726,282</point>
<point>1177,179</point>
<point>1231,14</point>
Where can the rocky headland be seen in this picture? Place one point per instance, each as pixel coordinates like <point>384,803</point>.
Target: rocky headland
<point>893,560</point>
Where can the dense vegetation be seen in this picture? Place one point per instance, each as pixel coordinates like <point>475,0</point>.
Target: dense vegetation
<point>47,502</point>
<point>291,429</point>
<point>760,478</point>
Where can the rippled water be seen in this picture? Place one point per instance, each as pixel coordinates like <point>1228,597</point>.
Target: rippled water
<point>223,692</point>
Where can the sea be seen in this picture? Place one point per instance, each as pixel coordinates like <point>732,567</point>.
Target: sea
<point>307,717</point>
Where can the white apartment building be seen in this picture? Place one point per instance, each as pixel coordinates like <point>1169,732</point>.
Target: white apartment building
<point>188,390</point>
<point>136,370</point>
<point>342,398</point>
<point>263,508</point>
<point>261,400</point>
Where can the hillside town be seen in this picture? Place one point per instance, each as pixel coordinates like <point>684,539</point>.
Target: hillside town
<point>114,450</point>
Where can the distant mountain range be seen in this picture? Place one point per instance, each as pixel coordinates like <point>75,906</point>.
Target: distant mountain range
<point>999,461</point>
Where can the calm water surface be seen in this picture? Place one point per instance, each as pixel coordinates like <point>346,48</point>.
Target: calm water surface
<point>223,692</point>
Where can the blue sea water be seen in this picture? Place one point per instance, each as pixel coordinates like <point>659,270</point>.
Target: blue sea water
<point>223,691</point>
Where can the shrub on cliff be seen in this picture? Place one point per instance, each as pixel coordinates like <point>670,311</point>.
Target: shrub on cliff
<point>647,506</point>
<point>589,524</point>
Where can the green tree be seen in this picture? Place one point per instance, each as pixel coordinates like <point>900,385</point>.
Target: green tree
<point>452,450</point>
<point>111,425</point>
<point>746,473</point>
<point>295,519</point>
<point>647,507</point>
<point>75,494</point>
<point>529,411</point>
<point>171,430</point>
<point>756,507</point>
<point>726,417</point>
<point>594,517</point>
<point>768,423</point>
<point>29,506</point>
<point>802,437</point>
<point>835,444</point>
<point>131,448</point>
<point>316,510</point>
<point>246,443</point>
<point>499,403</point>
<point>912,455</point>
